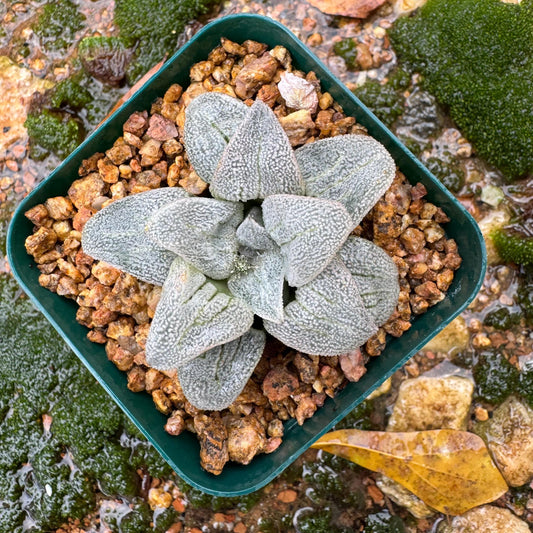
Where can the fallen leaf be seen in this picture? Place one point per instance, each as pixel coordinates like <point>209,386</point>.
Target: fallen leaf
<point>359,9</point>
<point>449,470</point>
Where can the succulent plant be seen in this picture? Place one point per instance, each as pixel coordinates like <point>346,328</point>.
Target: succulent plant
<point>273,241</point>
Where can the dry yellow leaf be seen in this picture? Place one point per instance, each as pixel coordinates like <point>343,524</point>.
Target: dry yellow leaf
<point>449,470</point>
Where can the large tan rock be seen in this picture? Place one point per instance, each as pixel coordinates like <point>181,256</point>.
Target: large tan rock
<point>509,438</point>
<point>432,403</point>
<point>452,339</point>
<point>404,497</point>
<point>485,519</point>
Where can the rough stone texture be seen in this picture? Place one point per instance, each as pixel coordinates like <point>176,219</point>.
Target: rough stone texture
<point>432,403</point>
<point>403,497</point>
<point>509,437</point>
<point>485,519</point>
<point>452,339</point>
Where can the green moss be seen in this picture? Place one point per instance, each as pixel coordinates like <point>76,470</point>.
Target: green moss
<point>154,27</point>
<point>495,377</point>
<point>513,246</point>
<point>78,421</point>
<point>53,132</point>
<point>477,58</point>
<point>385,100</point>
<point>501,319</point>
<point>449,174</point>
<point>69,93</point>
<point>524,293</point>
<point>384,522</point>
<point>347,49</point>
<point>57,24</point>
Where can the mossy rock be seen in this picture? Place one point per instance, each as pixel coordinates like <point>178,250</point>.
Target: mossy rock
<point>476,58</point>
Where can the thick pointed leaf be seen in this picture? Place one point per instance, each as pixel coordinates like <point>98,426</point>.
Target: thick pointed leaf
<point>449,470</point>
<point>353,169</point>
<point>327,316</point>
<point>376,276</point>
<point>211,120</point>
<point>252,233</point>
<point>117,235</point>
<point>261,286</point>
<point>213,380</point>
<point>258,160</point>
<point>202,231</point>
<point>310,231</point>
<point>192,317</point>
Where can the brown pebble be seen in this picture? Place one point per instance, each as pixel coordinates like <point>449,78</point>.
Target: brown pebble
<point>287,496</point>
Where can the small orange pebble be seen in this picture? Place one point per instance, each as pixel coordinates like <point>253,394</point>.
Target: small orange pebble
<point>375,494</point>
<point>287,496</point>
<point>175,528</point>
<point>240,528</point>
<point>179,505</point>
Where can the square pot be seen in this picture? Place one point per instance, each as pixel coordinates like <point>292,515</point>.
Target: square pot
<point>182,453</point>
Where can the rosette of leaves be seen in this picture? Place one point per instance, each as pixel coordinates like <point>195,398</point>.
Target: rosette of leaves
<point>272,242</point>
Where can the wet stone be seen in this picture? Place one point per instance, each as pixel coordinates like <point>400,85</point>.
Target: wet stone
<point>509,437</point>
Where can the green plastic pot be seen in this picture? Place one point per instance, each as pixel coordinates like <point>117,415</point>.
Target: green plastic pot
<point>182,453</point>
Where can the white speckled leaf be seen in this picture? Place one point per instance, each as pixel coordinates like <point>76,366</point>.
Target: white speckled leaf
<point>261,286</point>
<point>376,276</point>
<point>252,233</point>
<point>327,317</point>
<point>353,169</point>
<point>202,231</point>
<point>192,317</point>
<point>213,380</point>
<point>116,234</point>
<point>211,120</point>
<point>310,231</point>
<point>258,160</point>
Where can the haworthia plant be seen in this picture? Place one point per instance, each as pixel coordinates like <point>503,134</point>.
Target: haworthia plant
<point>117,235</point>
<point>211,121</point>
<point>278,218</point>
<point>353,169</point>
<point>327,316</point>
<point>376,276</point>
<point>309,231</point>
<point>201,231</point>
<point>192,317</point>
<point>258,160</point>
<point>215,378</point>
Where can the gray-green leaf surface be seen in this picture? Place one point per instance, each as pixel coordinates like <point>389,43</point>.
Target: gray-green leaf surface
<point>192,316</point>
<point>261,286</point>
<point>376,276</point>
<point>117,235</point>
<point>211,120</point>
<point>310,231</point>
<point>327,317</point>
<point>202,231</point>
<point>258,160</point>
<point>215,379</point>
<point>353,169</point>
